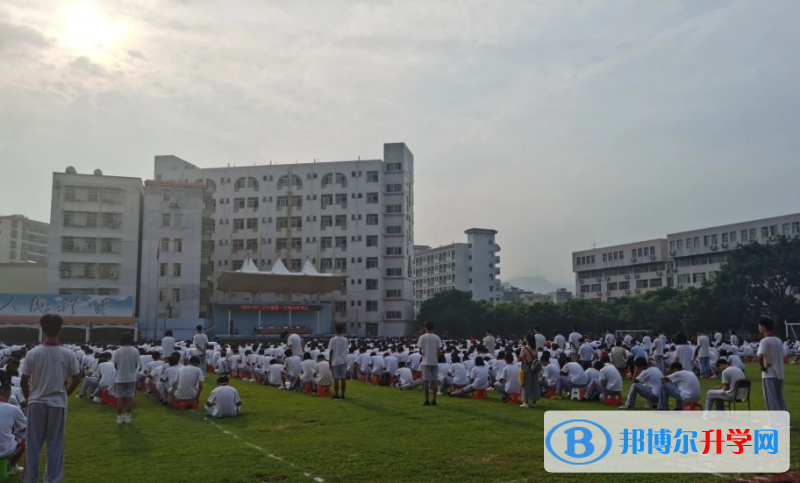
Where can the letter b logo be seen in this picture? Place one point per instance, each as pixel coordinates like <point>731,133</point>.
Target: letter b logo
<point>584,441</point>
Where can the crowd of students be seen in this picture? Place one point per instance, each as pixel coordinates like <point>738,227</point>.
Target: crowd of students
<point>33,409</point>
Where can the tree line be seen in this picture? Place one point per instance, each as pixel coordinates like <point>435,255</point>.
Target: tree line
<point>756,279</point>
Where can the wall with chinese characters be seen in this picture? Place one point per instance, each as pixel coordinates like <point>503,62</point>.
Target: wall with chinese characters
<point>26,305</point>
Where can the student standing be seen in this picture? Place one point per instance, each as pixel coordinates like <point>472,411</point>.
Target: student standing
<point>167,345</point>
<point>125,360</point>
<point>429,346</point>
<point>489,341</point>
<point>574,343</point>
<point>702,353</point>
<point>44,373</point>
<point>658,351</point>
<point>338,348</point>
<point>200,342</point>
<point>770,359</point>
<point>539,338</point>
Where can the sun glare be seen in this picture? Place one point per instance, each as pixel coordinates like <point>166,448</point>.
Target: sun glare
<point>89,31</point>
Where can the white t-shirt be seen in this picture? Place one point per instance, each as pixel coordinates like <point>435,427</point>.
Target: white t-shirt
<point>224,399</point>
<point>703,345</point>
<point>559,339</point>
<point>550,374</point>
<point>414,361</point>
<point>338,347</point>
<point>610,339</point>
<point>480,377</point>
<point>658,347</point>
<point>652,377</point>
<point>324,376</point>
<point>688,385</point>
<point>307,370</point>
<point>295,343</point>
<point>107,374</point>
<point>540,341</point>
<point>574,339</point>
<point>404,375</point>
<point>460,374</point>
<point>612,377</point>
<point>168,346</point>
<point>685,355</point>
<point>585,352</point>
<point>293,366</point>
<point>646,343</point>
<point>488,342</point>
<point>275,371</point>
<point>429,345</point>
<point>169,375</point>
<point>200,342</point>
<point>12,420</point>
<point>772,349</point>
<point>125,359</point>
<point>390,363</point>
<point>593,374</point>
<point>510,377</point>
<point>731,376</point>
<point>377,365</point>
<point>48,367</point>
<point>187,380</point>
<point>576,374</point>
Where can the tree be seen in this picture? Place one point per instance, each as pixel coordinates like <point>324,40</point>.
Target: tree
<point>761,279</point>
<point>453,312</point>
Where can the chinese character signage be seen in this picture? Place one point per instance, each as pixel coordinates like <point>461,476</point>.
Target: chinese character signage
<point>25,305</point>
<point>665,442</point>
<point>279,308</point>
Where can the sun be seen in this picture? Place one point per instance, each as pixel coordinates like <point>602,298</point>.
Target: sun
<point>90,32</point>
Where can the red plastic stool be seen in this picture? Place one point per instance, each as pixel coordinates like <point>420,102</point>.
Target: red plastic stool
<point>362,377</point>
<point>514,398</point>
<point>112,401</point>
<point>615,399</point>
<point>479,394</point>
<point>104,397</point>
<point>308,388</point>
<point>242,374</point>
<point>551,392</point>
<point>323,391</point>
<point>181,405</point>
<point>376,379</point>
<point>417,375</point>
<point>692,407</point>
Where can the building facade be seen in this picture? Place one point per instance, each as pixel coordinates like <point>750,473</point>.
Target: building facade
<point>176,263</point>
<point>95,233</point>
<point>23,278</point>
<point>23,240</point>
<point>348,217</point>
<point>684,259</point>
<point>471,266</point>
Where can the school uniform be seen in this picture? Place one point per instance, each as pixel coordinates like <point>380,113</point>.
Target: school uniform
<point>612,379</point>
<point>572,375</point>
<point>683,386</point>
<point>717,397</point>
<point>703,355</point>
<point>223,402</point>
<point>509,381</point>
<point>480,381</point>
<point>647,385</point>
<point>771,349</point>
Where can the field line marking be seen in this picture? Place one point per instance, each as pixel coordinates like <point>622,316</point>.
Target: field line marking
<point>266,453</point>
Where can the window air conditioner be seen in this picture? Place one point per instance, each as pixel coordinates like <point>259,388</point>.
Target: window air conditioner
<point>627,276</point>
<point>608,278</point>
<point>652,257</point>
<point>580,280</point>
<point>633,259</point>
<point>599,294</point>
<point>637,290</point>
<point>672,253</point>
<point>658,272</point>
<point>627,291</point>
<point>64,273</point>
<point>112,275</point>
<point>636,276</point>
<point>599,279</point>
<point>724,245</point>
<point>608,292</point>
<point>713,247</point>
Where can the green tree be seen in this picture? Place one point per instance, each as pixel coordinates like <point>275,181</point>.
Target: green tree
<point>453,312</point>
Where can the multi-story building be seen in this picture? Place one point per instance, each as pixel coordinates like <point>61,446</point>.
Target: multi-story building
<point>176,263</point>
<point>348,217</point>
<point>612,272</point>
<point>23,240</point>
<point>95,233</point>
<point>697,255</point>
<point>470,266</point>
<point>685,259</point>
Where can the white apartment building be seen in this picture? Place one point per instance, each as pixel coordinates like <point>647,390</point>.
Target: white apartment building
<point>348,217</point>
<point>23,240</point>
<point>176,263</point>
<point>470,266</point>
<point>697,255</point>
<point>685,259</point>
<point>95,234</point>
<point>612,272</point>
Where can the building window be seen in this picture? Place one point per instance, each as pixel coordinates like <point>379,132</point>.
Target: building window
<point>372,284</point>
<point>372,305</point>
<point>672,246</point>
<point>394,272</point>
<point>162,295</point>
<point>697,242</point>
<point>394,208</point>
<point>341,242</point>
<point>178,220</point>
<point>326,221</point>
<point>605,257</point>
<point>683,278</point>
<point>724,238</point>
<point>611,286</point>
<point>341,264</point>
<point>698,277</point>
<point>796,228</point>
<point>372,177</point>
<point>764,232</point>
<point>656,283</point>
<point>394,293</point>
<point>641,284</point>
<point>394,166</point>
<point>646,251</point>
<point>372,219</point>
<point>390,251</point>
<point>372,262</point>
<point>340,306</point>
<point>753,234</point>
<point>176,295</point>
<point>394,315</point>
<point>733,237</point>
<point>394,188</point>
<point>745,238</point>
<point>624,285</point>
<point>166,219</point>
<point>372,240</point>
<point>167,194</point>
<point>176,269</point>
<point>372,198</point>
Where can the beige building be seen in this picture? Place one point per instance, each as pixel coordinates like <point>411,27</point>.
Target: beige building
<point>684,259</point>
<point>23,240</point>
<point>23,278</point>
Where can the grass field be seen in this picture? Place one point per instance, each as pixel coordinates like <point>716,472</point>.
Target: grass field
<point>378,434</point>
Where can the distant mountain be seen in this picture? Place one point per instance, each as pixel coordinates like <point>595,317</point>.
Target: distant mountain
<point>535,283</point>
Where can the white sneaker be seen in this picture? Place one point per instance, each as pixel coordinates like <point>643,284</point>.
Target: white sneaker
<point>439,393</point>
<point>120,420</point>
<point>126,419</point>
<point>252,380</point>
<point>16,470</point>
<point>97,399</point>
<point>524,405</point>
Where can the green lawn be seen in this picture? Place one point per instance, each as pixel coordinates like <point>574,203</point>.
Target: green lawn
<point>379,434</point>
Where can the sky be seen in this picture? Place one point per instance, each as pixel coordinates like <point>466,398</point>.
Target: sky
<point>558,123</point>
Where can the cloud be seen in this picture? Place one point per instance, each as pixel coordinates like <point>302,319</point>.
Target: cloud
<point>14,35</point>
<point>85,66</point>
<point>135,54</point>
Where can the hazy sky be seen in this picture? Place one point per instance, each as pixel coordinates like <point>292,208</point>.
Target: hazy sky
<point>558,123</point>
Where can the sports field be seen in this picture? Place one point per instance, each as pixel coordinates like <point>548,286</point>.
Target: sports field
<point>378,434</point>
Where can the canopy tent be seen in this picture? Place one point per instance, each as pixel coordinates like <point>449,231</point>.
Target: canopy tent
<point>249,279</point>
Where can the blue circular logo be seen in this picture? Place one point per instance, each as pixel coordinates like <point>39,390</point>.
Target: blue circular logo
<point>580,436</point>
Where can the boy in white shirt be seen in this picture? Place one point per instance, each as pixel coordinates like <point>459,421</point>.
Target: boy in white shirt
<point>12,426</point>
<point>291,370</point>
<point>168,376</point>
<point>572,375</point>
<point>479,377</point>
<point>274,374</point>
<point>404,378</point>
<point>306,370</point>
<point>730,376</point>
<point>680,384</point>
<point>610,382</point>
<point>224,401</point>
<point>323,376</point>
<point>188,384</point>
<point>648,384</point>
<point>340,360</point>
<point>548,378</point>
<point>458,375</point>
<point>125,360</point>
<point>508,380</point>
<point>770,359</point>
